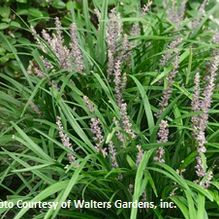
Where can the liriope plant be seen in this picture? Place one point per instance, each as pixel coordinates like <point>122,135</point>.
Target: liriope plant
<point>111,110</point>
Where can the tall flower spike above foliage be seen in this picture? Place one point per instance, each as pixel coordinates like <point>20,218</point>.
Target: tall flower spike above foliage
<point>97,132</point>
<point>119,86</point>
<point>126,48</point>
<point>95,128</point>
<point>56,42</point>
<point>118,46</point>
<point>175,11</point>
<point>114,30</point>
<point>163,134</point>
<point>112,154</point>
<point>146,7</point>
<point>119,134</point>
<point>202,105</point>
<point>201,14</point>
<point>171,50</point>
<point>113,37</point>
<point>198,131</point>
<point>136,30</point>
<point>65,139</point>
<point>167,92</point>
<point>88,103</point>
<point>62,52</point>
<point>127,125</point>
<point>37,38</point>
<point>118,82</point>
<point>196,99</point>
<point>68,58</point>
<point>75,50</point>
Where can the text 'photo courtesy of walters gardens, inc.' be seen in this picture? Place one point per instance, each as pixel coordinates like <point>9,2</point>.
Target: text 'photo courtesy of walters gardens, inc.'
<point>82,204</point>
<point>109,109</point>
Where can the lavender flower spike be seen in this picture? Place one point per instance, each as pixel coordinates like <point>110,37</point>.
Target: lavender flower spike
<point>198,131</point>
<point>201,13</point>
<point>37,38</point>
<point>126,122</point>
<point>96,130</point>
<point>200,169</point>
<point>118,82</point>
<point>75,50</point>
<point>56,43</point>
<point>65,139</point>
<point>163,138</point>
<point>119,134</point>
<point>175,13</point>
<point>196,100</point>
<point>139,155</point>
<point>168,91</point>
<point>113,37</point>
<point>146,7</point>
<point>172,48</point>
<point>62,51</point>
<point>112,154</point>
<point>207,180</point>
<point>88,103</point>
<point>202,106</point>
<point>163,132</point>
<point>34,69</point>
<point>119,86</point>
<point>114,30</point>
<point>35,108</point>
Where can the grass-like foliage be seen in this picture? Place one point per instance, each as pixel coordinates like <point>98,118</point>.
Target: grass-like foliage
<point>119,103</point>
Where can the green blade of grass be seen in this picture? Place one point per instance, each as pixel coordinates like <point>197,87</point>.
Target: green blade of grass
<point>138,178</point>
<point>146,103</point>
<point>28,142</point>
<point>52,189</point>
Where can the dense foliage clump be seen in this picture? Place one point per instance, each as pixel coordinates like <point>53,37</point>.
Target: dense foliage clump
<point>111,101</point>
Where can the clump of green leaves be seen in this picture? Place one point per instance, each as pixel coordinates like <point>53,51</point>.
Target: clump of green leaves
<point>109,164</point>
